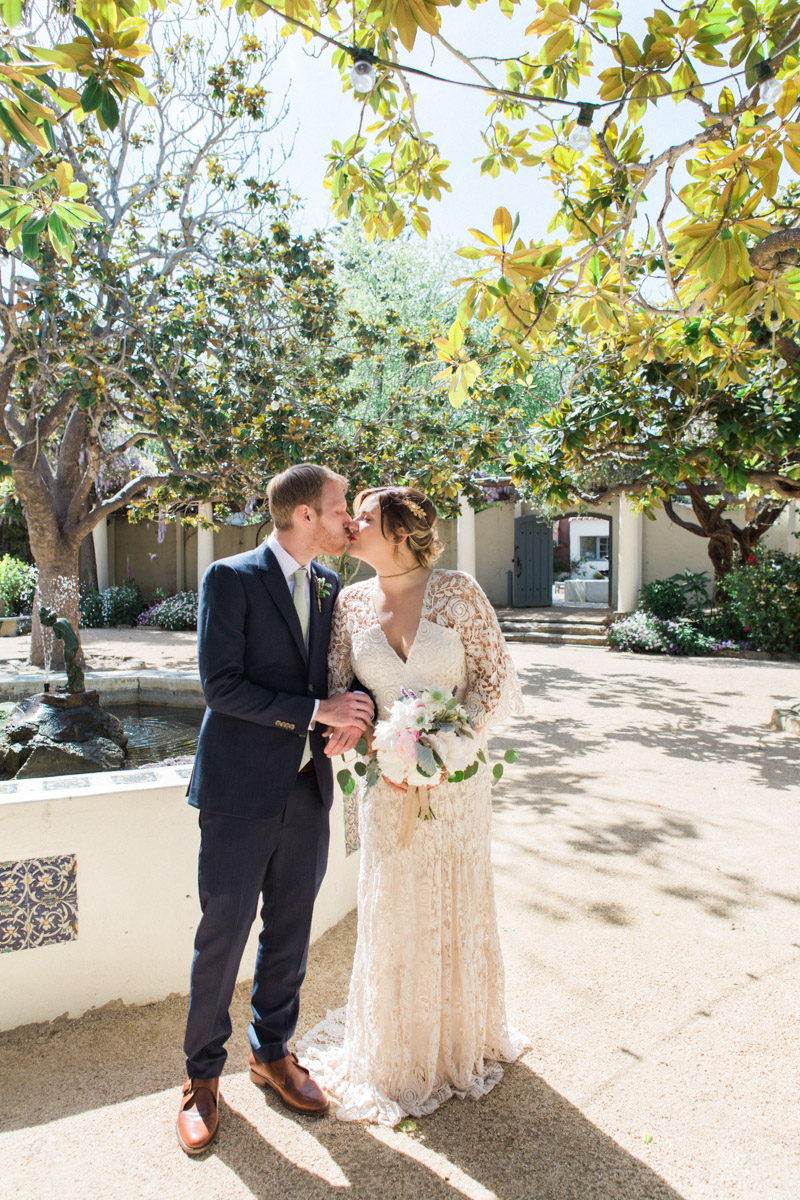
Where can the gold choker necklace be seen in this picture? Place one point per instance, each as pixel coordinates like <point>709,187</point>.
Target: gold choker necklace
<point>397,574</point>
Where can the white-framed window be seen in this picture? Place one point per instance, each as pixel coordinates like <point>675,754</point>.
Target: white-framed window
<point>593,547</point>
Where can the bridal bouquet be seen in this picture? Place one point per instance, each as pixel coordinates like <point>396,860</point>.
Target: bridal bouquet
<point>426,735</point>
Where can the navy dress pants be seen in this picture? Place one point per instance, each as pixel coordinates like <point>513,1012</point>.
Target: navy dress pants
<point>281,859</point>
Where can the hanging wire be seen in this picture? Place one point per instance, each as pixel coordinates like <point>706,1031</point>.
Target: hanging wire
<point>764,69</point>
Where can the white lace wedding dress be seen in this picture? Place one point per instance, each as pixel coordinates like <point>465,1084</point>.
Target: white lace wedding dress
<point>425,1018</point>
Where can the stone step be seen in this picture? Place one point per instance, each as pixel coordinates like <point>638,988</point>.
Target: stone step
<point>558,627</point>
<point>556,639</point>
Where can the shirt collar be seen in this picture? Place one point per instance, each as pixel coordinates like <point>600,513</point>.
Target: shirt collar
<point>285,561</point>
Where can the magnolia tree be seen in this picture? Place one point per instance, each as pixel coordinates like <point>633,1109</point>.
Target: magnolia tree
<point>185,344</point>
<point>662,431</point>
<point>648,234</point>
<point>571,104</point>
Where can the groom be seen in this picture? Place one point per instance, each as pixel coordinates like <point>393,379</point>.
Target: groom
<point>264,787</point>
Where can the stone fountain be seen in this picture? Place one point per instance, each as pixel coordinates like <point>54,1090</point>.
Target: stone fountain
<point>65,732</point>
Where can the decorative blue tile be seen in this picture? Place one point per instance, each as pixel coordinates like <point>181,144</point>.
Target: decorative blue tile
<point>352,841</point>
<point>38,902</point>
<point>64,783</point>
<point>184,772</point>
<point>135,777</point>
<point>7,789</point>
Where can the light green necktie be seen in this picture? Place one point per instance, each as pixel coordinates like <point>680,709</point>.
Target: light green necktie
<point>301,608</point>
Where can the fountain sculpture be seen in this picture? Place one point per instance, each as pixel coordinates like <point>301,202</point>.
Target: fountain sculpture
<point>65,732</point>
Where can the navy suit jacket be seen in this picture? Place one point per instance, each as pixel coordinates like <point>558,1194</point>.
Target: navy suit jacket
<point>260,683</point>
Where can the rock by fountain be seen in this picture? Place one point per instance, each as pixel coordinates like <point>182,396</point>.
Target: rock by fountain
<point>64,732</point>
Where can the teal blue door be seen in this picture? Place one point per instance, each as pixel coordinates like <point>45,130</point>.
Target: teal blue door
<point>533,563</point>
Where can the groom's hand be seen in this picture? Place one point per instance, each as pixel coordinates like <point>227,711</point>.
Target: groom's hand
<point>339,741</point>
<point>349,708</point>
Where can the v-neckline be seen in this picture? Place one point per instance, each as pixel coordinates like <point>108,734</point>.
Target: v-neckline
<point>422,618</point>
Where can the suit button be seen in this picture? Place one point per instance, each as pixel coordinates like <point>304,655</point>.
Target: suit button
<point>311,689</point>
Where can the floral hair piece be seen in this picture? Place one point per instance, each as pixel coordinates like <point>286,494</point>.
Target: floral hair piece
<point>415,508</point>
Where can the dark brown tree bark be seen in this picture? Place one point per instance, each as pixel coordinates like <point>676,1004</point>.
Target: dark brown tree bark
<point>727,541</point>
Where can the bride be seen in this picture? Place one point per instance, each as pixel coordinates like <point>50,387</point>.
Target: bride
<point>425,1018</point>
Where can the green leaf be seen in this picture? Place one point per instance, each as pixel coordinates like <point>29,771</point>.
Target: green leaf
<point>57,231</point>
<point>30,246</point>
<point>92,94</point>
<point>511,756</point>
<point>497,772</point>
<point>35,224</point>
<point>346,781</point>
<point>361,746</point>
<point>360,769</point>
<point>109,111</point>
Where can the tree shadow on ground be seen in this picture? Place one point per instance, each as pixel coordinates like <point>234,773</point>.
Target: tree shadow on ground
<point>522,1142</point>
<point>670,718</point>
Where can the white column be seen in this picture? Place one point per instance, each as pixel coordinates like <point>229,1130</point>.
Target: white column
<point>100,539</point>
<point>180,558</point>
<point>629,556</point>
<point>465,538</point>
<point>205,543</point>
<point>792,541</point>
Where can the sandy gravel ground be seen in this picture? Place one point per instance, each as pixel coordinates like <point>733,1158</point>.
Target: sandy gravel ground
<point>648,886</point>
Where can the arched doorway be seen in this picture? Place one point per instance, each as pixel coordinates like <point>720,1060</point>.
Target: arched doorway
<point>583,559</point>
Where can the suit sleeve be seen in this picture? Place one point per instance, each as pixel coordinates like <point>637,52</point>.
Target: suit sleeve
<point>221,646</point>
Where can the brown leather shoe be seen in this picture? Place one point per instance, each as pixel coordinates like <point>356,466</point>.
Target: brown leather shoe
<point>292,1082</point>
<point>198,1116</point>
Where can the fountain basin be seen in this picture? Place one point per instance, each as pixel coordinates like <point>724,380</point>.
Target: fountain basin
<point>98,878</point>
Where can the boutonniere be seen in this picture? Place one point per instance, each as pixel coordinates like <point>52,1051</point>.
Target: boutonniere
<point>323,589</point>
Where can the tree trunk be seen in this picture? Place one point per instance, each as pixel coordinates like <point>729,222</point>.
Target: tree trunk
<point>57,588</point>
<point>726,541</point>
<point>721,549</point>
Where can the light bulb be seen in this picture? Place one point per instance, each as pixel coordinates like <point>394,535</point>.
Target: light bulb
<point>362,76</point>
<point>581,138</point>
<point>780,364</point>
<point>768,409</point>
<point>773,321</point>
<point>771,90</point>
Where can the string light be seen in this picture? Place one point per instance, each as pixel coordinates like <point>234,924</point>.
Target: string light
<point>770,89</point>
<point>363,76</point>
<point>581,137</point>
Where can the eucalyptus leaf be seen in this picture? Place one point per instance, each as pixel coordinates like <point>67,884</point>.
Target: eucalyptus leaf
<point>346,782</point>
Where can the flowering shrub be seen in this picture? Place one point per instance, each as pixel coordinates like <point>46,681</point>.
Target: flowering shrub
<point>764,594</point>
<point>91,608</point>
<point>113,606</point>
<point>642,633</point>
<point>17,586</point>
<point>176,612</point>
<point>121,605</point>
<point>678,596</point>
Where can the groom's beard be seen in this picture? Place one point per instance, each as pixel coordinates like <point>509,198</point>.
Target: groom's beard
<point>332,546</point>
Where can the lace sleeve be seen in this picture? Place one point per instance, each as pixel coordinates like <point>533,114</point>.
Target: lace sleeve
<point>340,667</point>
<point>493,690</point>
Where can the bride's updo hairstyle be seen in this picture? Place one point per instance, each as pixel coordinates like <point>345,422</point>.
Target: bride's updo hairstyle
<point>404,510</point>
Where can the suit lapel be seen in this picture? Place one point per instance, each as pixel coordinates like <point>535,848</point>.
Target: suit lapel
<point>276,585</point>
<point>319,625</point>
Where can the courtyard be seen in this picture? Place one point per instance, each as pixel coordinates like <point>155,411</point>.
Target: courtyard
<point>647,873</point>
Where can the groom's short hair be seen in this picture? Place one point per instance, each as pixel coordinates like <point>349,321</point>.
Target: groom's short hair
<point>300,484</point>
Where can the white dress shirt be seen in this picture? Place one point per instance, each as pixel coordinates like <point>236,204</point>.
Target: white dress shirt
<point>289,565</point>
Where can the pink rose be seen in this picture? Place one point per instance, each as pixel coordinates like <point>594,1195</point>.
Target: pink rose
<point>405,747</point>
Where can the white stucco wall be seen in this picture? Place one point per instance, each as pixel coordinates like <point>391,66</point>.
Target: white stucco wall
<point>136,848</point>
<point>668,549</point>
<point>495,550</point>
